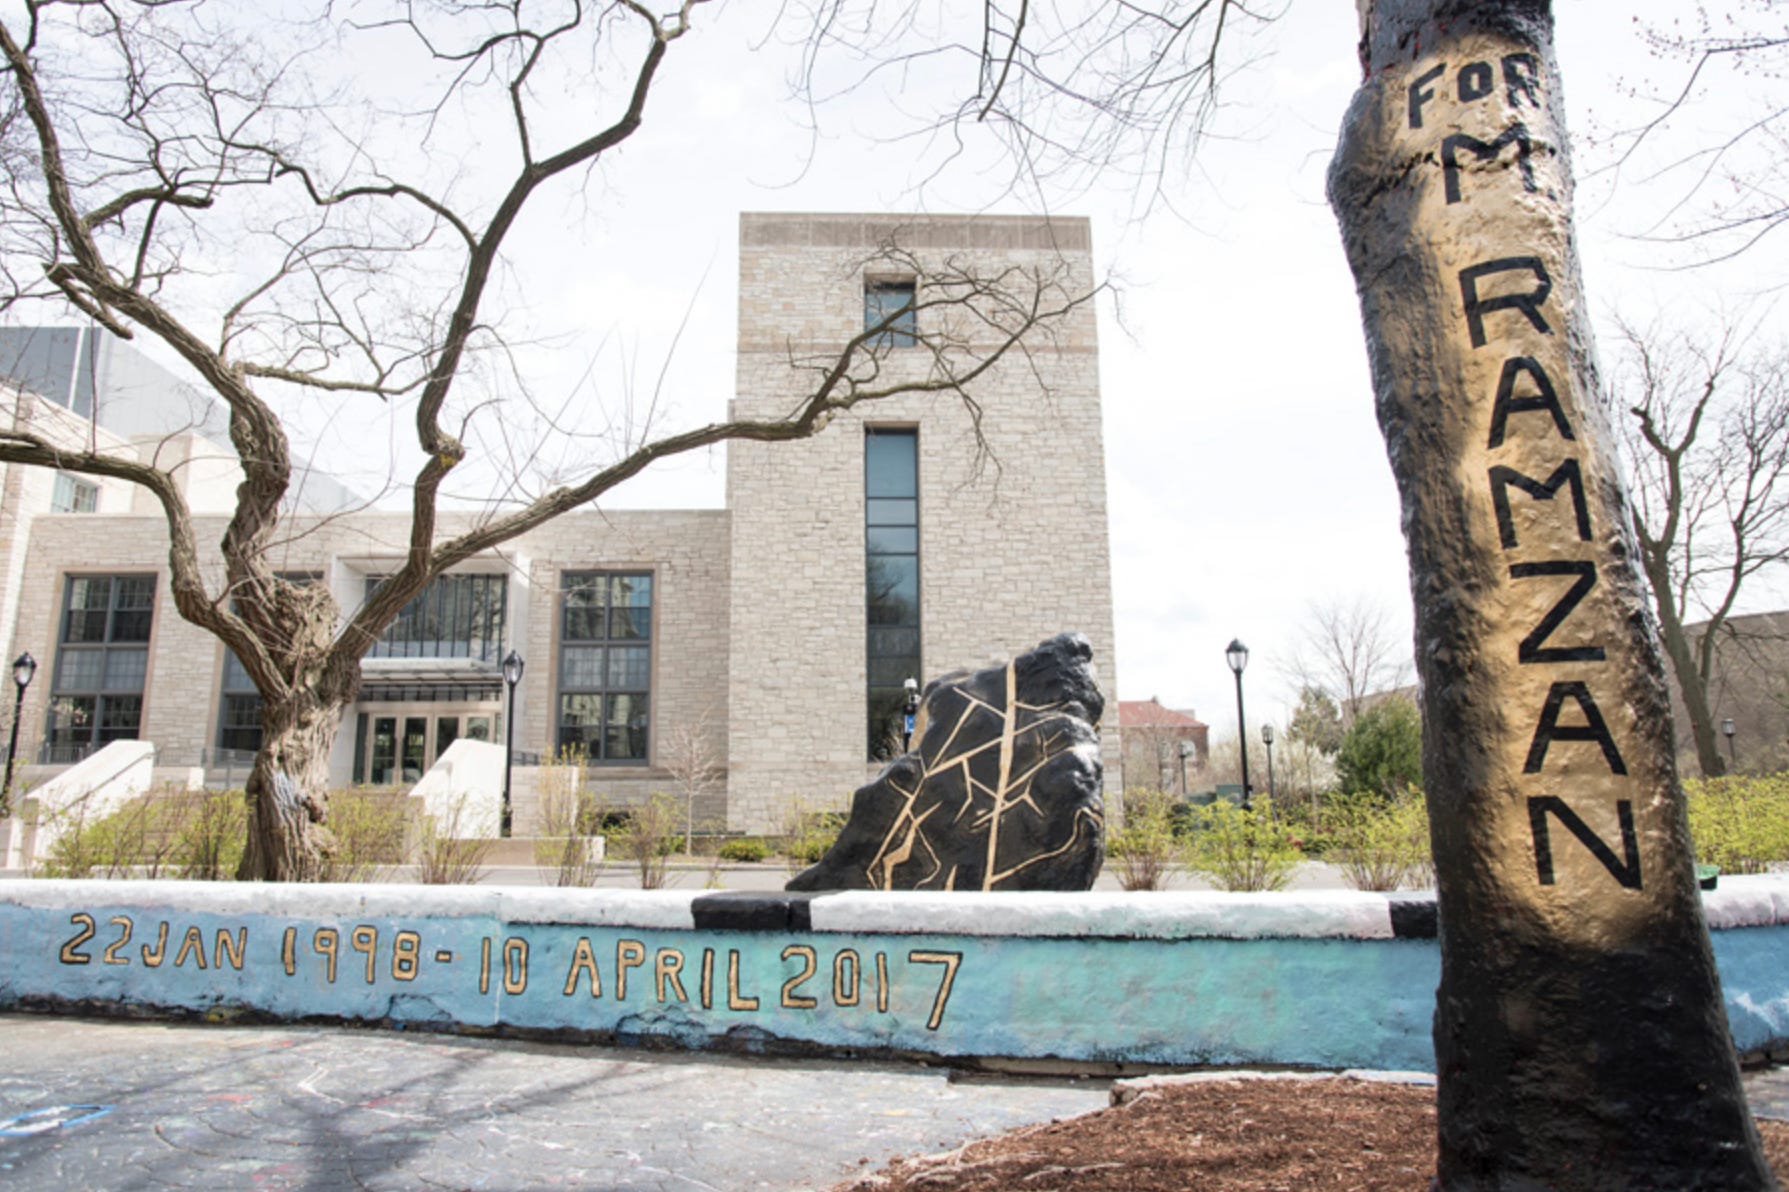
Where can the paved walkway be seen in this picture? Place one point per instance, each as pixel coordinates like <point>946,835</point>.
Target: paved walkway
<point>218,1107</point>
<point>140,1105</point>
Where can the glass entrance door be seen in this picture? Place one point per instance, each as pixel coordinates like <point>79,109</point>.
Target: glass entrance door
<point>392,749</point>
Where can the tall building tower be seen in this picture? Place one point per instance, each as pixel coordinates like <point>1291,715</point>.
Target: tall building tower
<point>902,542</point>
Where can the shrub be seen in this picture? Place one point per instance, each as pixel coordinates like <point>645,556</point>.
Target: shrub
<point>130,841</point>
<point>747,850</point>
<point>1147,846</point>
<point>1241,850</point>
<point>1381,844</point>
<point>168,831</point>
<point>566,848</point>
<point>368,825</point>
<point>808,834</point>
<point>1740,822</point>
<point>648,837</point>
<point>211,835</point>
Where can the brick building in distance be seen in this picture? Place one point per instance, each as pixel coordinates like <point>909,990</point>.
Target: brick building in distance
<point>1163,749</point>
<point>778,629</point>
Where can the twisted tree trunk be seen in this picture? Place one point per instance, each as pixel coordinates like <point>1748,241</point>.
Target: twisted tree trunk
<point>1580,1036</point>
<point>287,793</point>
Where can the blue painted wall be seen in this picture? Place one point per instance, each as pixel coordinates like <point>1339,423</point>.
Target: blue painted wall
<point>986,976</point>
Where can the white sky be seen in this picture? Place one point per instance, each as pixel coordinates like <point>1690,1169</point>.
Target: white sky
<point>1246,473</point>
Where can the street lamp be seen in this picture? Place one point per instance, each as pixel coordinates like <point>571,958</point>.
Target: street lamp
<point>512,674</point>
<point>1267,740</point>
<point>1237,655</point>
<point>23,668</point>
<point>1186,751</point>
<point>908,712</point>
<point>1727,727</point>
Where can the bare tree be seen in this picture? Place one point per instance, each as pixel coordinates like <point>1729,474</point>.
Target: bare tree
<point>1349,652</point>
<point>152,152</point>
<point>1706,440</point>
<point>691,751</point>
<point>1721,186</point>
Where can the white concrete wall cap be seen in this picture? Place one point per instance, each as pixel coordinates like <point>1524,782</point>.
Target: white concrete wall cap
<point>1173,915</point>
<point>1757,900</point>
<point>237,898</point>
<point>662,909</point>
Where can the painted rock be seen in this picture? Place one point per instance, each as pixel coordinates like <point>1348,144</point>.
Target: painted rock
<point>1001,793</point>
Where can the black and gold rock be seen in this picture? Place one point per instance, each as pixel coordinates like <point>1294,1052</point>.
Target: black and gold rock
<point>1001,793</point>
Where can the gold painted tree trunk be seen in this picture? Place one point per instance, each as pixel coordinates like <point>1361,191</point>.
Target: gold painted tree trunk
<point>1580,1037</point>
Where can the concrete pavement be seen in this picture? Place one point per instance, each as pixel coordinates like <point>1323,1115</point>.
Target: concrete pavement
<point>101,1104</point>
<point>219,1107</point>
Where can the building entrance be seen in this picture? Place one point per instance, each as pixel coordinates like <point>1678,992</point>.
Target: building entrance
<point>396,747</point>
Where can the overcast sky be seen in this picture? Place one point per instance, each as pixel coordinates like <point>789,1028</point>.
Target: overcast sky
<point>1246,474</point>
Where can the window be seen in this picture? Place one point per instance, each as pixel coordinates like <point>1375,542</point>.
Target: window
<point>102,657</point>
<point>605,665</point>
<point>891,580</point>
<point>883,299</point>
<point>74,495</point>
<point>456,616</point>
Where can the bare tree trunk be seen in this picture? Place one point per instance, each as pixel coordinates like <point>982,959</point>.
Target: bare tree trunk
<point>287,792</point>
<point>1692,679</point>
<point>1580,1036</point>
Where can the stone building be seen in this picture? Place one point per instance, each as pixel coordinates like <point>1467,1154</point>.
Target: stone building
<point>913,536</point>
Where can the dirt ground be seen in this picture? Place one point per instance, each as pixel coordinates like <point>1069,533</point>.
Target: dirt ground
<point>1338,1134</point>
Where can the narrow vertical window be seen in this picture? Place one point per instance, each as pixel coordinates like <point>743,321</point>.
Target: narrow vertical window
<point>891,579</point>
<point>885,299</point>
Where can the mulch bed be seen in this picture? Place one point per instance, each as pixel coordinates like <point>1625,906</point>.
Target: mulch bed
<point>1338,1135</point>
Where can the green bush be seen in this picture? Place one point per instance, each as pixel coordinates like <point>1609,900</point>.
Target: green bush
<point>650,834</point>
<point>166,832</point>
<point>368,826</point>
<point>1142,852</point>
<point>1241,850</point>
<point>1740,822</point>
<point>211,837</point>
<point>1381,844</point>
<point>808,834</point>
<point>746,850</point>
<point>1382,752</point>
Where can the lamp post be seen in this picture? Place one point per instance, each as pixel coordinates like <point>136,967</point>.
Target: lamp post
<point>1186,751</point>
<point>23,668</point>
<point>1727,727</point>
<point>1267,740</point>
<point>909,711</point>
<point>512,674</point>
<point>1237,655</point>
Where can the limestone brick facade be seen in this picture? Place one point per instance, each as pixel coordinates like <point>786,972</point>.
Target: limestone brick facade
<point>1013,543</point>
<point>758,636</point>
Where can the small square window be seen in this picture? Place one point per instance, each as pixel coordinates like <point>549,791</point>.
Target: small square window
<point>885,299</point>
<point>74,495</point>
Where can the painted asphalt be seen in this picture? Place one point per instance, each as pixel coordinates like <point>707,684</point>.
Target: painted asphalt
<point>98,1104</point>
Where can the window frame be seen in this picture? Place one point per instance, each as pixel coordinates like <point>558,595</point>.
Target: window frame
<point>880,509</point>
<point>606,689</point>
<point>67,493</point>
<point>106,698</point>
<point>904,331</point>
